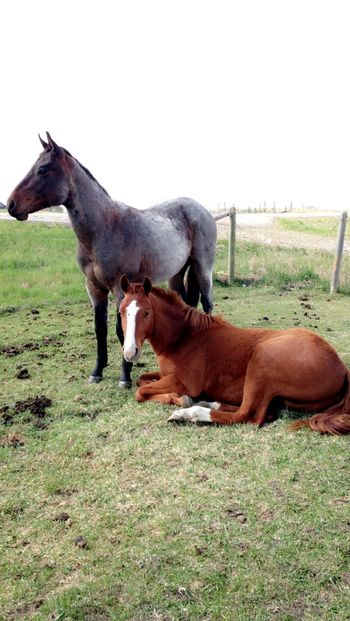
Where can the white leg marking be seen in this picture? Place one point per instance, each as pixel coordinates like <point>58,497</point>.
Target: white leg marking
<point>195,414</point>
<point>129,347</point>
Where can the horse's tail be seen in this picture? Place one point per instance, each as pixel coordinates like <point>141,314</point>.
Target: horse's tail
<point>192,287</point>
<point>335,421</point>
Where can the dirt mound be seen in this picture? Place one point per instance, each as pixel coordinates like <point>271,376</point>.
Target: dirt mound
<point>14,350</point>
<point>35,405</point>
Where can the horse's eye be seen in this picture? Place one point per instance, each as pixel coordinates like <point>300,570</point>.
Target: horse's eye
<point>146,314</point>
<point>43,170</point>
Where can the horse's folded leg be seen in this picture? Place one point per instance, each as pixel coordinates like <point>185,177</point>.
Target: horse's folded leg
<point>212,405</point>
<point>215,413</point>
<point>170,398</point>
<point>125,376</point>
<point>186,401</point>
<point>148,378</point>
<point>194,414</point>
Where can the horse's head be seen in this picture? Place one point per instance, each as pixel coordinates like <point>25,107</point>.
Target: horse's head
<point>137,316</point>
<point>46,184</point>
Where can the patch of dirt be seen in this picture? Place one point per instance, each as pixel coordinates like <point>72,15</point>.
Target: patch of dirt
<point>14,350</point>
<point>62,517</point>
<point>12,439</point>
<point>52,340</point>
<point>80,541</point>
<point>8,310</point>
<point>22,373</point>
<point>237,514</point>
<point>35,405</point>
<point>24,610</point>
<point>86,415</point>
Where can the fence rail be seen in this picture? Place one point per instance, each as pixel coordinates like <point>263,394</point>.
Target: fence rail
<point>231,213</point>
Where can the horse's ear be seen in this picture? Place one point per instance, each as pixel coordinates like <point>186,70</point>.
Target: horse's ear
<point>124,283</point>
<point>44,144</point>
<point>147,286</point>
<point>51,143</point>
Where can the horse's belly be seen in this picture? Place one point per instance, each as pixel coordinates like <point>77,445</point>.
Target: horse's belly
<point>165,258</point>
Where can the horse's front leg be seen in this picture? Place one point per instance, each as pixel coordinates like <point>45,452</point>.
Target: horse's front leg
<point>99,301</point>
<point>147,378</point>
<point>126,367</point>
<point>166,390</point>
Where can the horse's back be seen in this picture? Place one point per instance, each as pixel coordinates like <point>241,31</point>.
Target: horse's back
<point>193,213</point>
<point>197,224</point>
<point>182,224</point>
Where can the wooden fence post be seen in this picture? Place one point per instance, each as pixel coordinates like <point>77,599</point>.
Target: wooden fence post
<point>338,252</point>
<point>231,246</point>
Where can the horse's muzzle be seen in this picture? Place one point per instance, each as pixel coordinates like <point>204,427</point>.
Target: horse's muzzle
<point>132,355</point>
<point>11,208</point>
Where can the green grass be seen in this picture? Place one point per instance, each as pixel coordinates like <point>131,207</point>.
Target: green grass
<point>180,522</point>
<point>38,263</point>
<point>277,266</point>
<point>323,227</point>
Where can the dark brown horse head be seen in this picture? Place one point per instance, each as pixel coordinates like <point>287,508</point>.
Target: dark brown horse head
<point>45,185</point>
<point>136,315</point>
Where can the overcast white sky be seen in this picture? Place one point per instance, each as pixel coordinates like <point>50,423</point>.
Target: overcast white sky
<point>238,101</point>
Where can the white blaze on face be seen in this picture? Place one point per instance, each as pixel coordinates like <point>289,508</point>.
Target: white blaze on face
<point>130,349</point>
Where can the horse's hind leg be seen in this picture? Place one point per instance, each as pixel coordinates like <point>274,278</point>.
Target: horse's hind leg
<point>222,415</point>
<point>176,282</point>
<point>203,275</point>
<point>99,300</point>
<point>192,288</point>
<point>253,409</point>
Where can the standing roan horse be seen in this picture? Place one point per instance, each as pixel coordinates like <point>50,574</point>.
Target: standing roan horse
<point>242,370</point>
<point>161,242</point>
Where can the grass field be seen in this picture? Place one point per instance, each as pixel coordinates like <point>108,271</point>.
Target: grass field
<point>323,226</point>
<point>110,513</point>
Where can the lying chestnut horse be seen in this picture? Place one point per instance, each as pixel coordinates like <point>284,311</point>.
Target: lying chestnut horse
<point>241,369</point>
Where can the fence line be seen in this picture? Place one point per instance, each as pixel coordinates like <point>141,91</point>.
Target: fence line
<point>338,252</point>
<point>231,214</point>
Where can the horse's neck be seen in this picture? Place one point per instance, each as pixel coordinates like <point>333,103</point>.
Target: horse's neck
<point>169,324</point>
<point>86,206</point>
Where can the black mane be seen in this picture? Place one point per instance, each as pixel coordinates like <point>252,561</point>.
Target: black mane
<point>86,170</point>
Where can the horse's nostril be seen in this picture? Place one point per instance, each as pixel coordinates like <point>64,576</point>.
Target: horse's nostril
<point>11,206</point>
